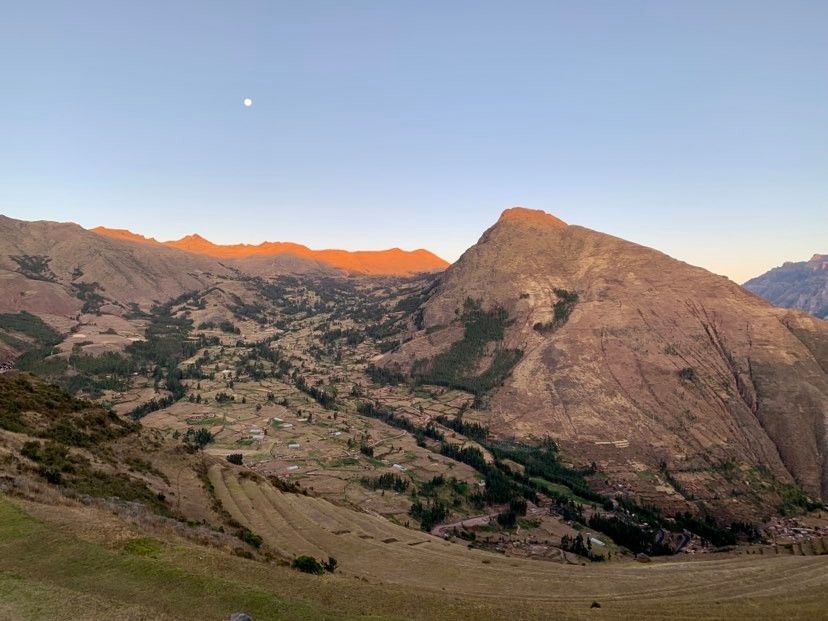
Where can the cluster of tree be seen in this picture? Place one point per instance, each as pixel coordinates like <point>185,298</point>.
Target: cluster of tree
<point>386,415</point>
<point>388,480</point>
<point>225,326</point>
<point>455,368</point>
<point>383,376</point>
<point>561,309</point>
<point>40,343</point>
<point>627,533</point>
<point>707,528</point>
<point>352,337</point>
<point>430,514</point>
<point>326,397</point>
<point>473,431</point>
<point>196,439</point>
<point>34,266</point>
<point>502,484</point>
<point>580,545</point>
<point>569,510</point>
<point>509,517</point>
<point>254,311</point>
<point>542,462</point>
<point>385,329</point>
<point>87,292</point>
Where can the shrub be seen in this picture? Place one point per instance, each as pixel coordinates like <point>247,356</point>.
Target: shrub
<point>308,565</point>
<point>687,374</point>
<point>251,538</point>
<point>235,458</point>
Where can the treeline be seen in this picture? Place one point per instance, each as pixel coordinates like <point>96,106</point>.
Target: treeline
<point>366,408</point>
<point>383,376</point>
<point>473,431</point>
<point>324,397</point>
<point>388,480</point>
<point>542,462</point>
<point>225,326</point>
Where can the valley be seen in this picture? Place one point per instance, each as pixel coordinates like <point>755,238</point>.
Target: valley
<point>397,438</point>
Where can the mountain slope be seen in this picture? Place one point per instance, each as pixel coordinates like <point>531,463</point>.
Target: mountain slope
<point>374,262</point>
<point>654,365</point>
<point>802,285</point>
<point>49,267</point>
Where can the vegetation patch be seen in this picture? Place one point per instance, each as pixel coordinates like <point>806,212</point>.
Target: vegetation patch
<point>34,266</point>
<point>455,368</point>
<point>310,565</point>
<point>143,546</point>
<point>561,309</point>
<point>87,292</point>
<point>389,481</point>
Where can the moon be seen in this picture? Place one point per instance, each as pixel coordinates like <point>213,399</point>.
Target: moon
<point>247,102</point>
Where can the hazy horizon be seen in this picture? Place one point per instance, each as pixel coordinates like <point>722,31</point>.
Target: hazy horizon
<point>699,129</point>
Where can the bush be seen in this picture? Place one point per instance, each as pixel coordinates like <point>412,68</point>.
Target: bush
<point>251,538</point>
<point>687,374</point>
<point>235,458</point>
<point>308,565</point>
<point>197,439</point>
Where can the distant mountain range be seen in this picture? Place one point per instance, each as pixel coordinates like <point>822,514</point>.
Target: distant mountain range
<point>802,285</point>
<point>377,262</point>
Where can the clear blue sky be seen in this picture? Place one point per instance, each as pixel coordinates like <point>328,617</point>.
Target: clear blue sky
<point>699,128</point>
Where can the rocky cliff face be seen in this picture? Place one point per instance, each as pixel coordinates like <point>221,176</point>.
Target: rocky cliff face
<point>638,361</point>
<point>802,285</point>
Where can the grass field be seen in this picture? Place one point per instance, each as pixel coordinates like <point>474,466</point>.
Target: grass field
<point>50,570</point>
<point>372,548</point>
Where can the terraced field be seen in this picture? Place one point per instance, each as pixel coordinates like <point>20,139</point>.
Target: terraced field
<point>379,551</point>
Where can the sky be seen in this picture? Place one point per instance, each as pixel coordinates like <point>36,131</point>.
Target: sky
<point>699,128</point>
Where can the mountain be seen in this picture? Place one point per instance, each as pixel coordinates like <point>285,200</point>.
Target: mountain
<point>58,268</point>
<point>61,269</point>
<point>802,285</point>
<point>373,262</point>
<point>675,382</point>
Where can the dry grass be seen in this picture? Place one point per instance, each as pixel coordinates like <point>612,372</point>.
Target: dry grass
<point>374,549</point>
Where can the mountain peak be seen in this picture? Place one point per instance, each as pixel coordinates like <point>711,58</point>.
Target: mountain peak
<point>538,216</point>
<point>122,234</point>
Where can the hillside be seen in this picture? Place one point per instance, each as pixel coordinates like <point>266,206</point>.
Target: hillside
<point>60,268</point>
<point>802,285</point>
<point>374,262</point>
<point>100,517</point>
<point>677,383</point>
